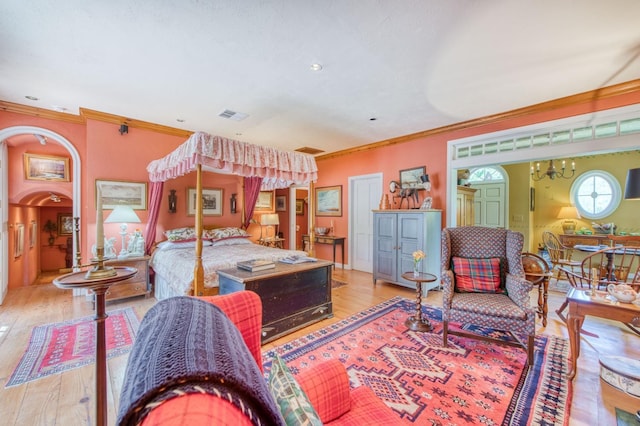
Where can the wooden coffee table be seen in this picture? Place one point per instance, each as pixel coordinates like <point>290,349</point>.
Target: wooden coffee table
<point>581,303</point>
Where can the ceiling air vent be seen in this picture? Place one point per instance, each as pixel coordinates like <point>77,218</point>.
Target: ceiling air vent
<point>308,150</point>
<point>233,115</point>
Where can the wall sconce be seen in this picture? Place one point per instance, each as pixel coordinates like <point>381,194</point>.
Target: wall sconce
<point>233,203</point>
<point>173,199</point>
<point>123,129</point>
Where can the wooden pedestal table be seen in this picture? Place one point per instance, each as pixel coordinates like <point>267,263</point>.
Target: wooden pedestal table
<point>99,286</point>
<point>581,303</point>
<point>417,322</point>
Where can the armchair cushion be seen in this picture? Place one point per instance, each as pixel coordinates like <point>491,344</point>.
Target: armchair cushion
<point>327,386</point>
<point>477,275</point>
<point>293,402</point>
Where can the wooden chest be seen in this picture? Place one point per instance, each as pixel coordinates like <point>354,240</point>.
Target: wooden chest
<point>293,296</point>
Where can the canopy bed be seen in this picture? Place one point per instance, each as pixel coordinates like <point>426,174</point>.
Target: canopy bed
<point>263,168</point>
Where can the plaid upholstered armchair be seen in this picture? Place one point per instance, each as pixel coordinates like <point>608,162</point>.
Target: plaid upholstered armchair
<point>483,284</point>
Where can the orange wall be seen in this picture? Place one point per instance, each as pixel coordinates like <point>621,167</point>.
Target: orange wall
<point>105,154</point>
<point>430,151</point>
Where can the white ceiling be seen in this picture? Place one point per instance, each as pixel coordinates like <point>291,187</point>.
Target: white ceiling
<point>413,65</point>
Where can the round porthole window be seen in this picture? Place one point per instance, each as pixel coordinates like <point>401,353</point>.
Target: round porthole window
<point>596,194</point>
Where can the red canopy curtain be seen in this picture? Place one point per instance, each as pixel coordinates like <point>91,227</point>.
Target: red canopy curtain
<point>251,191</point>
<point>155,198</point>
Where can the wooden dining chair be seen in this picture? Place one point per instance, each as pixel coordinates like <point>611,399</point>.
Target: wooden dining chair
<point>611,265</point>
<point>559,255</point>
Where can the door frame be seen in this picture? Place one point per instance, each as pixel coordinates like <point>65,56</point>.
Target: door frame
<point>4,195</point>
<point>521,155</point>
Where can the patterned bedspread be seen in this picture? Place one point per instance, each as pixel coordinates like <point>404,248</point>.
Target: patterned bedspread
<point>175,267</point>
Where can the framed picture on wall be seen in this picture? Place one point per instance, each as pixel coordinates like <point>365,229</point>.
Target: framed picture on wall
<point>18,241</point>
<point>211,201</point>
<point>281,203</point>
<point>299,207</point>
<point>46,167</point>
<point>122,193</point>
<point>265,200</point>
<point>33,233</point>
<point>329,201</point>
<point>65,224</point>
<point>410,178</point>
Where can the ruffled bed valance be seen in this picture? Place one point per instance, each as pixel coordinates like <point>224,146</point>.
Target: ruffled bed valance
<point>278,168</point>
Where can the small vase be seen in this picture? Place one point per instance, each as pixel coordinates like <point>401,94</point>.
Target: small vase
<point>416,272</point>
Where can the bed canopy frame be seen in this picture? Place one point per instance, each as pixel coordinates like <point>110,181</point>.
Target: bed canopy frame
<point>269,167</point>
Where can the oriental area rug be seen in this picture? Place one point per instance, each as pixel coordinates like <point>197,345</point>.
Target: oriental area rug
<point>470,382</point>
<point>58,347</point>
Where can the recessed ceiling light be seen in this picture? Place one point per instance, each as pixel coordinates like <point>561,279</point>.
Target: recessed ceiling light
<point>180,120</point>
<point>31,98</point>
<point>372,119</point>
<point>238,134</point>
<point>58,108</point>
<point>316,67</point>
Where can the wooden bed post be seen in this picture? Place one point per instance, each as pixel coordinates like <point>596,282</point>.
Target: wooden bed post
<point>198,272</point>
<point>312,220</point>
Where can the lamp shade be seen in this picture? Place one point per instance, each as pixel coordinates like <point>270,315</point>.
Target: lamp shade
<point>123,214</point>
<point>568,212</point>
<point>632,188</point>
<point>270,219</point>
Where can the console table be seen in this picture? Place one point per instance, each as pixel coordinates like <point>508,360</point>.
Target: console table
<point>326,239</point>
<point>570,240</point>
<point>293,296</point>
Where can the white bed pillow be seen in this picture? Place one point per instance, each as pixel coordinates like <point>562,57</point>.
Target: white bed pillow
<point>173,245</point>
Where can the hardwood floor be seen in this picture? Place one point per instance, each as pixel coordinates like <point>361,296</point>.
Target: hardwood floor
<point>68,398</point>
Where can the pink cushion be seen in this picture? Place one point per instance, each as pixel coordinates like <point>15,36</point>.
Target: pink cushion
<point>477,275</point>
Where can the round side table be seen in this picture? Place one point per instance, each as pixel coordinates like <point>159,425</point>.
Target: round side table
<point>99,287</point>
<point>417,322</point>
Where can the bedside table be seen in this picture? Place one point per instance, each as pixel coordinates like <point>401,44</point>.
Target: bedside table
<point>138,285</point>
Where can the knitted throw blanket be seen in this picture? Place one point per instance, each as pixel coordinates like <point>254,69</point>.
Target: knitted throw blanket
<point>189,345</point>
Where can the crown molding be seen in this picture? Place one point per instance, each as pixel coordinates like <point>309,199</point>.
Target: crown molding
<point>89,114</point>
<point>628,87</point>
<point>40,112</point>
<point>133,123</point>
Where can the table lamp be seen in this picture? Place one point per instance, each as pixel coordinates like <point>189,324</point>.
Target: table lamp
<point>271,219</point>
<point>569,213</point>
<point>632,188</point>
<point>123,215</point>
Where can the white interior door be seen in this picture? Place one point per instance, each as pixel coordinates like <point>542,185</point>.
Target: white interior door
<point>490,204</point>
<point>364,196</point>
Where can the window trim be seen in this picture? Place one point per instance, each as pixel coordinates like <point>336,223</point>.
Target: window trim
<point>615,187</point>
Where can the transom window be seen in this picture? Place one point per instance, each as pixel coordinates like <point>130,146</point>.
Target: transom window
<point>486,174</point>
<point>596,194</point>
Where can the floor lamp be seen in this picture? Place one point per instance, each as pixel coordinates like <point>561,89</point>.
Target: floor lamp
<point>123,215</point>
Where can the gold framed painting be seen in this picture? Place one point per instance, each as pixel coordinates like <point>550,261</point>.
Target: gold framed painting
<point>46,167</point>
<point>299,207</point>
<point>122,193</point>
<point>265,202</point>
<point>329,201</point>
<point>65,224</point>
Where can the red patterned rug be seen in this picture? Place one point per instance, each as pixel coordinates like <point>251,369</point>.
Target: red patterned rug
<point>470,382</point>
<point>62,346</point>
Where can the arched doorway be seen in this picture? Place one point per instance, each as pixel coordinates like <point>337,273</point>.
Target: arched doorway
<point>4,190</point>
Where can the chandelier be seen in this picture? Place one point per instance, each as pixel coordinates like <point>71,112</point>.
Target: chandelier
<point>551,171</point>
